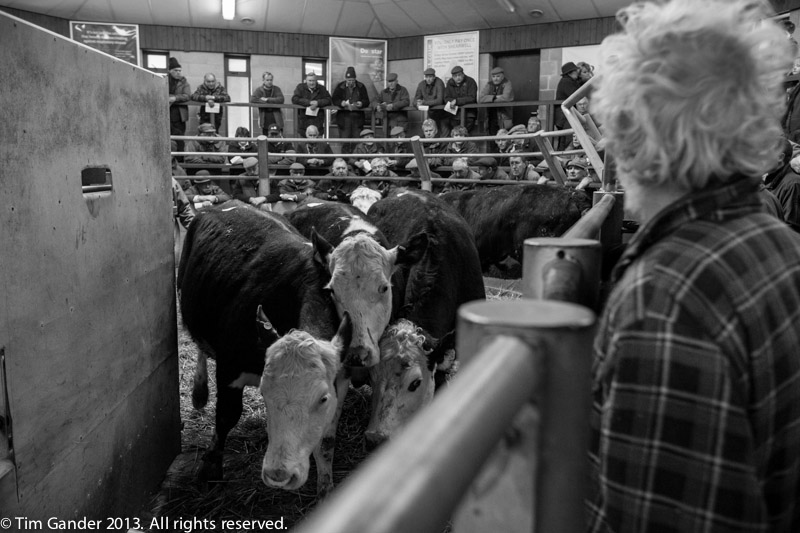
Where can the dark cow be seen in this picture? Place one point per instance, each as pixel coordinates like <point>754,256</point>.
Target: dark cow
<point>427,295</point>
<point>503,217</point>
<point>236,260</point>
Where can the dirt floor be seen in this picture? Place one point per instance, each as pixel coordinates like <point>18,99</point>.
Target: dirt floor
<point>182,504</point>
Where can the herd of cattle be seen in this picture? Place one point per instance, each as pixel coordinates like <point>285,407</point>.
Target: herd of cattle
<point>333,295</point>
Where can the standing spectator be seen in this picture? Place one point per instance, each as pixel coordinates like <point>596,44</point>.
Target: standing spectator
<point>335,188</point>
<point>268,93</point>
<point>312,132</point>
<point>462,145</point>
<point>397,148</point>
<point>393,101</point>
<point>203,192</point>
<point>461,90</point>
<point>498,90</point>
<point>784,183</point>
<point>430,92</point>
<point>314,97</point>
<point>488,170</point>
<point>568,84</point>
<point>461,171</point>
<point>521,170</point>
<point>211,93</point>
<point>364,151</point>
<point>585,71</point>
<point>695,423</point>
<point>179,94</point>
<point>350,96</point>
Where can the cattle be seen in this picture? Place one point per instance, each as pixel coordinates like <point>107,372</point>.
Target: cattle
<point>236,259</point>
<point>426,293</point>
<point>503,217</point>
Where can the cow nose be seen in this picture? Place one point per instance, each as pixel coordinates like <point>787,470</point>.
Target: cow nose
<point>276,477</point>
<point>357,356</point>
<point>374,439</point>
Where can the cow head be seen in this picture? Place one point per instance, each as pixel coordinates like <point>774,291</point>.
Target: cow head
<point>361,271</point>
<point>403,381</point>
<point>298,389</point>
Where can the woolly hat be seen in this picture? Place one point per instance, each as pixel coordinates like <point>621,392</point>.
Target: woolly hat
<point>391,76</point>
<point>350,74</point>
<point>173,63</point>
<point>568,67</point>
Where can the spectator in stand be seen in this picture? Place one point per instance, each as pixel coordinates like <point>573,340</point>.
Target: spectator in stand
<point>784,183</point>
<point>276,146</point>
<point>392,102</point>
<point>579,173</point>
<point>351,97</point>
<point>181,207</point>
<point>211,146</point>
<point>398,147</point>
<point>380,169</point>
<point>504,146</point>
<point>335,188</point>
<point>296,188</point>
<point>430,131</point>
<point>461,90</point>
<point>314,97</point>
<point>568,84</point>
<point>585,71</point>
<point>695,422</point>
<point>247,188</point>
<point>517,145</point>
<point>211,93</point>
<point>498,90</point>
<point>242,147</point>
<point>488,170</point>
<point>581,110</point>
<point>461,171</point>
<point>461,146</point>
<point>430,92</point>
<point>268,93</point>
<point>179,94</point>
<point>521,170</point>
<point>415,177</point>
<point>312,132</point>
<point>364,152</point>
<point>203,192</point>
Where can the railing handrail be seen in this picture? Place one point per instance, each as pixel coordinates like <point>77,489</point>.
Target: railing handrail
<point>588,226</point>
<point>477,105</point>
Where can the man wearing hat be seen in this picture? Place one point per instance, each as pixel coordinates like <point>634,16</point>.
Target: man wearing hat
<point>203,192</point>
<point>414,172</point>
<point>430,92</point>
<point>461,90</point>
<point>488,170</point>
<point>568,84</point>
<point>179,94</point>
<point>499,89</point>
<point>276,146</point>
<point>208,145</point>
<point>296,188</point>
<point>352,99</point>
<point>578,174</point>
<point>315,98</point>
<point>393,101</point>
<point>268,93</point>
<point>246,189</point>
<point>398,147</point>
<point>365,150</point>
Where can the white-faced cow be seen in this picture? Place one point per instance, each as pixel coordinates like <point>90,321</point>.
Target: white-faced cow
<point>234,260</point>
<point>427,293</point>
<point>503,217</point>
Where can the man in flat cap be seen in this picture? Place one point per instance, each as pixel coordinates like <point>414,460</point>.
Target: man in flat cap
<point>499,89</point>
<point>461,90</point>
<point>568,84</point>
<point>208,144</point>
<point>430,92</point>
<point>351,97</point>
<point>203,192</point>
<point>314,97</point>
<point>179,94</point>
<point>392,102</point>
<point>246,189</point>
<point>400,146</point>
<point>488,170</point>
<point>365,151</point>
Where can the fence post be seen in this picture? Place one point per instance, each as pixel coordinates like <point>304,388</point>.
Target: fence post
<point>263,165</point>
<point>519,489</point>
<point>565,269</point>
<point>611,229</point>
<point>422,164</point>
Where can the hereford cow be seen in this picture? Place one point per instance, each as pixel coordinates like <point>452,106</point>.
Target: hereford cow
<point>503,217</point>
<point>427,294</point>
<point>234,260</point>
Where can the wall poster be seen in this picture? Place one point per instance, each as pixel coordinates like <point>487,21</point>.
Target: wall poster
<point>117,40</point>
<point>367,56</point>
<point>443,52</point>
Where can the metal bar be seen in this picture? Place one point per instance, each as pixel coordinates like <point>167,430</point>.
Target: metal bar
<point>422,164</point>
<point>547,151</point>
<point>580,131</point>
<point>263,166</point>
<point>588,226</point>
<point>413,484</point>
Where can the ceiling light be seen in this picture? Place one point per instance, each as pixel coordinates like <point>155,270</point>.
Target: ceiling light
<point>536,13</point>
<point>507,5</point>
<point>228,9</point>
<point>247,21</point>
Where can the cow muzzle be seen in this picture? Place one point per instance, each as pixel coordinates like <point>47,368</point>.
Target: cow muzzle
<point>374,438</point>
<point>281,478</point>
<point>361,356</point>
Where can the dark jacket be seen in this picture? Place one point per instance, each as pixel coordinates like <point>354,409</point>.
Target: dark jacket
<point>218,92</point>
<point>432,94</point>
<point>566,86</point>
<point>182,92</point>
<point>274,95</point>
<point>303,95</point>
<point>399,99</point>
<point>466,93</point>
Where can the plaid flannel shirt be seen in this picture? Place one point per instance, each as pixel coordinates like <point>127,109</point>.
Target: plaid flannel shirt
<point>696,410</point>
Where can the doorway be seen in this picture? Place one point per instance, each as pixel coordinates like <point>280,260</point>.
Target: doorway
<point>522,68</point>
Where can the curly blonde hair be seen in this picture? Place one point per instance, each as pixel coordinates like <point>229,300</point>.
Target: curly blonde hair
<point>691,91</point>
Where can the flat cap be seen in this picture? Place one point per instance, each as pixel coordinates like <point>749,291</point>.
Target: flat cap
<point>519,128</point>
<point>411,164</point>
<point>429,72</point>
<point>296,166</point>
<point>456,70</point>
<point>273,127</point>
<point>206,128</point>
<point>366,131</point>
<point>202,176</point>
<point>250,162</point>
<point>397,130</point>
<point>489,162</point>
<point>578,162</point>
<point>498,70</point>
<point>391,76</point>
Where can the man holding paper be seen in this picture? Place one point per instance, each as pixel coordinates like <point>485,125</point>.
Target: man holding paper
<point>460,90</point>
<point>351,97</point>
<point>313,97</point>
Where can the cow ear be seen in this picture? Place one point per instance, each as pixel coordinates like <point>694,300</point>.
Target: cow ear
<point>341,341</point>
<point>266,333</point>
<point>412,251</point>
<point>444,350</point>
<point>322,248</point>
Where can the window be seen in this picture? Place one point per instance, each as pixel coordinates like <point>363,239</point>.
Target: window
<point>155,61</point>
<point>237,83</point>
<point>317,66</point>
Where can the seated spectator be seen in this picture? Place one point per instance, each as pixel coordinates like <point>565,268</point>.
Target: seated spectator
<point>182,208</point>
<point>521,170</point>
<point>587,121</point>
<point>488,170</point>
<point>380,169</point>
<point>430,130</point>
<point>242,148</point>
<point>296,188</point>
<point>210,146</point>
<point>415,177</point>
<point>461,146</point>
<point>461,171</point>
<point>517,145</point>
<point>204,193</point>
<point>534,125</point>
<point>399,147</point>
<point>504,146</point>
<point>579,174</point>
<point>364,151</point>
<point>276,146</point>
<point>312,132</point>
<point>247,189</point>
<point>337,190</point>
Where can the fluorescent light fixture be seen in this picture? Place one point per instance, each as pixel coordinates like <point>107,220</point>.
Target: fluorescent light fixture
<point>228,9</point>
<point>507,5</point>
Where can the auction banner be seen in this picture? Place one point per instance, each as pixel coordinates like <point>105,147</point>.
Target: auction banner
<point>117,40</point>
<point>443,52</point>
<point>367,56</point>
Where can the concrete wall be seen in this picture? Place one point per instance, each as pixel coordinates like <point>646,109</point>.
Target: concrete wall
<point>87,319</point>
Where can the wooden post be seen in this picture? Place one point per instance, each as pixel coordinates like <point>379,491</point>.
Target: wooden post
<point>422,164</point>
<point>263,166</point>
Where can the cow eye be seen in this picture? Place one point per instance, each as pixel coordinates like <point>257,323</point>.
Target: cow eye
<point>384,288</point>
<point>414,385</point>
<point>323,400</point>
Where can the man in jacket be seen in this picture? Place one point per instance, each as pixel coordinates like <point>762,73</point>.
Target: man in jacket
<point>351,97</point>
<point>314,97</point>
<point>179,94</point>
<point>392,102</point>
<point>268,93</point>
<point>568,84</point>
<point>211,93</point>
<point>461,90</point>
<point>498,90</point>
<point>430,92</point>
